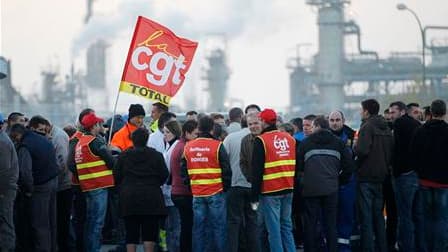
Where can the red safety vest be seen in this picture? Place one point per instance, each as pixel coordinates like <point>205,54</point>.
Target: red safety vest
<point>77,135</point>
<point>92,170</point>
<point>280,161</point>
<point>203,166</point>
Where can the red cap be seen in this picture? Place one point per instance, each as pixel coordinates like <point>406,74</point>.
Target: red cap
<point>268,115</point>
<point>89,120</point>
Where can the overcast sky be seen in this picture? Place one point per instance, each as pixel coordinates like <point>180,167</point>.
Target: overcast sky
<point>260,34</point>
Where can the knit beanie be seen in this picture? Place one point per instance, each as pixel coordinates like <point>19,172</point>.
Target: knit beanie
<point>136,110</point>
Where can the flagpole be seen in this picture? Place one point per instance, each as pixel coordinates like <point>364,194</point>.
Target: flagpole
<point>113,117</point>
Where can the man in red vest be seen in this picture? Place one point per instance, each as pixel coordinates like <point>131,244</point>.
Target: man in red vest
<point>274,165</point>
<point>94,164</point>
<point>208,168</point>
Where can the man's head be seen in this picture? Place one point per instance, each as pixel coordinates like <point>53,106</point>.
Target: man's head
<point>206,125</point>
<point>164,118</point>
<point>252,108</point>
<point>136,115</point>
<point>413,110</point>
<point>254,123</point>
<point>16,132</point>
<point>308,124</point>
<point>235,115</point>
<point>369,107</point>
<point>438,109</point>
<point>157,110</point>
<point>16,118</point>
<point>286,127</point>
<point>140,137</point>
<point>336,120</point>
<point>190,130</point>
<point>93,124</point>
<point>2,122</point>
<point>386,115</point>
<point>427,113</point>
<point>268,118</point>
<point>297,123</point>
<point>192,115</point>
<point>39,125</point>
<point>320,123</point>
<point>218,118</point>
<point>396,110</point>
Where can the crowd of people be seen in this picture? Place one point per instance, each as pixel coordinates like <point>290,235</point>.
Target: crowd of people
<point>251,182</point>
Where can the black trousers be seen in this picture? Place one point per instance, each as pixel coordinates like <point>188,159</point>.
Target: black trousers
<point>79,217</point>
<point>22,220</point>
<point>64,207</point>
<point>241,221</point>
<point>320,210</point>
<point>391,211</point>
<point>43,216</point>
<point>184,204</point>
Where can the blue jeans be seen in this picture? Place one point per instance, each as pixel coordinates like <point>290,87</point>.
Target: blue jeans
<point>96,205</point>
<point>209,214</point>
<point>434,203</point>
<point>370,206</point>
<point>406,187</point>
<point>277,217</point>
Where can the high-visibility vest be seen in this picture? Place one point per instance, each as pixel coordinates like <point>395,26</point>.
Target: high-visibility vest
<point>77,135</point>
<point>203,166</point>
<point>92,170</point>
<point>280,161</point>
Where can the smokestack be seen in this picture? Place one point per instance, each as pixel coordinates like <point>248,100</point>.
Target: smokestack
<point>89,11</point>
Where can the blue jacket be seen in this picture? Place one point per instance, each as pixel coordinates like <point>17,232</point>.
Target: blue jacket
<point>43,157</point>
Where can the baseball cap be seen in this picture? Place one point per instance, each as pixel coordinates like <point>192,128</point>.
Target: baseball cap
<point>268,115</point>
<point>89,120</point>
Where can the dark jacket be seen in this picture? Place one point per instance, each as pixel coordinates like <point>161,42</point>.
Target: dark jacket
<point>139,173</point>
<point>374,150</point>
<point>9,168</point>
<point>258,160</point>
<point>43,157</point>
<point>429,151</point>
<point>247,148</point>
<point>25,182</point>
<point>347,135</point>
<point>224,163</point>
<point>403,130</point>
<point>324,161</point>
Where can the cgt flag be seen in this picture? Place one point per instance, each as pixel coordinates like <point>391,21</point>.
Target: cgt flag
<point>157,62</point>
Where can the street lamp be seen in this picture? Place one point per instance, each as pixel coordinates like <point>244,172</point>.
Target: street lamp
<point>402,6</point>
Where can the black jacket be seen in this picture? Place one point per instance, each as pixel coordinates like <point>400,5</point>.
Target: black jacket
<point>324,161</point>
<point>139,173</point>
<point>374,150</point>
<point>258,160</point>
<point>429,151</point>
<point>403,129</point>
<point>224,163</point>
<point>43,157</point>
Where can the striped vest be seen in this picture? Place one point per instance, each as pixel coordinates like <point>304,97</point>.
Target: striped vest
<point>92,170</point>
<point>203,166</point>
<point>280,160</point>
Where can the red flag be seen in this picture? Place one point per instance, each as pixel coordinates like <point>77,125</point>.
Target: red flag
<point>157,62</point>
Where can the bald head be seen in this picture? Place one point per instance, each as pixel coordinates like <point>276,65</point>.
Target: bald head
<point>336,120</point>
